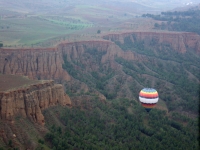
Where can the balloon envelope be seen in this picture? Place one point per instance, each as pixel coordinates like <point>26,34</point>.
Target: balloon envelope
<point>148,98</point>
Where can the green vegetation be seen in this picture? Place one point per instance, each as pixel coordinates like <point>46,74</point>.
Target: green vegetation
<point>174,75</point>
<point>96,78</point>
<point>171,71</point>
<point>120,124</point>
<point>98,31</point>
<point>178,21</point>
<point>1,44</point>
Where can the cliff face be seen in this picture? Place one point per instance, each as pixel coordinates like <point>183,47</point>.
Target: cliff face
<point>34,63</point>
<point>178,41</point>
<point>94,61</point>
<point>47,63</point>
<point>107,49</point>
<point>31,100</point>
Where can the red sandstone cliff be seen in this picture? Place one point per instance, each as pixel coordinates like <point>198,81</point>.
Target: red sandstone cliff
<point>47,63</point>
<point>34,63</point>
<point>76,50</point>
<point>31,100</point>
<point>178,40</point>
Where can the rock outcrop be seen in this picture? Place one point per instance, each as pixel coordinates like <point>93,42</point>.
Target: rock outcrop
<point>179,41</point>
<point>75,51</point>
<point>34,63</point>
<point>31,100</point>
<point>47,63</point>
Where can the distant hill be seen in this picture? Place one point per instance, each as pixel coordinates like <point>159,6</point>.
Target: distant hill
<point>47,5</point>
<point>187,20</point>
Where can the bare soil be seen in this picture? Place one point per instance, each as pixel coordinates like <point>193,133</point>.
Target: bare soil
<point>8,82</point>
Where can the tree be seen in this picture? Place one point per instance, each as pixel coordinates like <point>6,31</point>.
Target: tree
<point>156,25</point>
<point>99,31</point>
<point>10,143</point>
<point>1,45</point>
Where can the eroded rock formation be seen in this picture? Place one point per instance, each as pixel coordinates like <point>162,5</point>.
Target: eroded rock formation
<point>34,63</point>
<point>31,100</point>
<point>47,63</point>
<point>76,52</point>
<point>179,41</point>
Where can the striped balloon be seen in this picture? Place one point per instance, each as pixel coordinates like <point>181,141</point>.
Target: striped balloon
<point>148,98</point>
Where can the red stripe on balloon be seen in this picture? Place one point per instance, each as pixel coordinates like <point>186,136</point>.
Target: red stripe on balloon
<point>148,105</point>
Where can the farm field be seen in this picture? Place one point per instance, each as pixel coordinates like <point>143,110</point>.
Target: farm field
<point>38,30</point>
<point>45,24</point>
<point>33,30</point>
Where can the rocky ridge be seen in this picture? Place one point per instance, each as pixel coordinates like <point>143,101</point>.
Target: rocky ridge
<point>47,63</point>
<point>29,101</point>
<point>179,41</point>
<point>34,63</point>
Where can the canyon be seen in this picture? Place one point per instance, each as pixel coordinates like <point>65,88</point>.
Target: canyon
<point>86,57</point>
<point>46,63</point>
<point>95,70</point>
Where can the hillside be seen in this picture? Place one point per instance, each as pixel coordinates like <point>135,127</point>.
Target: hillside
<point>187,20</point>
<point>119,69</point>
<point>118,124</point>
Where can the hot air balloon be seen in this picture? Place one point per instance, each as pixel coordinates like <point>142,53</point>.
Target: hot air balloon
<point>148,98</point>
